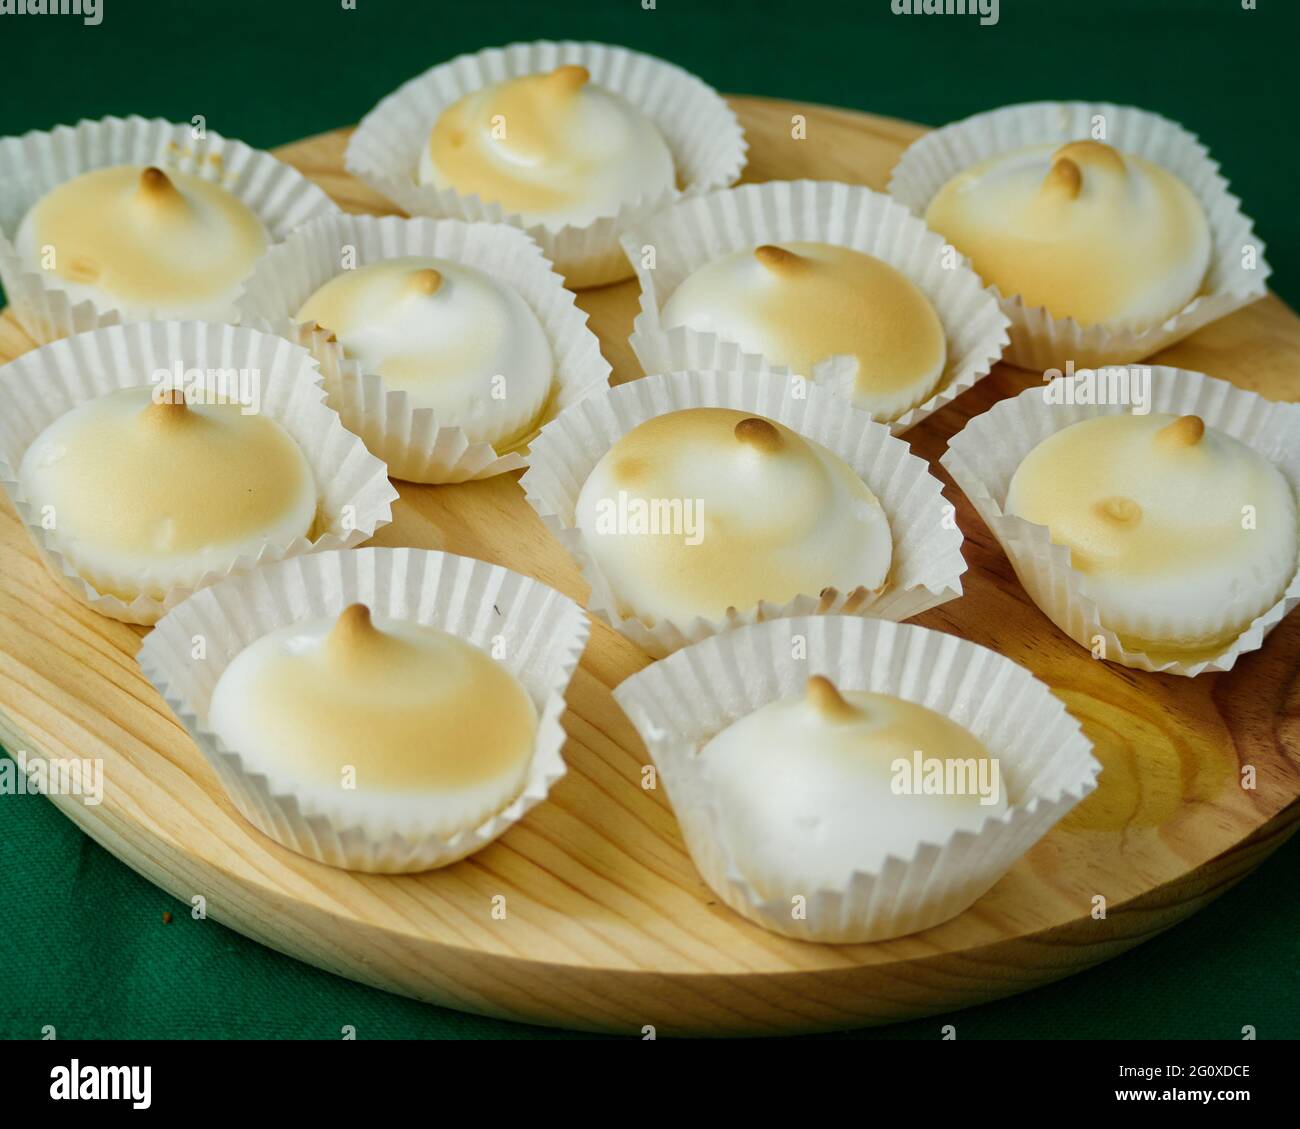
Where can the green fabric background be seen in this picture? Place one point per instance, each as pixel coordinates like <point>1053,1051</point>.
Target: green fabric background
<point>84,947</point>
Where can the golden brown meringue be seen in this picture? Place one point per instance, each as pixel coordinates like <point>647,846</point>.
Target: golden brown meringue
<point>382,718</point>
<point>800,304</point>
<point>141,492</point>
<point>554,148</point>
<point>1181,534</point>
<point>697,511</point>
<point>456,340</point>
<point>144,242</point>
<point>1081,229</point>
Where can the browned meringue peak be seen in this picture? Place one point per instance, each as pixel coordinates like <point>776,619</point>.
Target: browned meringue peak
<point>1069,162</point>
<point>779,260</point>
<point>354,636</point>
<point>426,281</point>
<point>759,433</point>
<point>825,697</point>
<point>1185,431</point>
<point>567,79</point>
<point>157,192</point>
<point>167,408</point>
<point>1119,510</point>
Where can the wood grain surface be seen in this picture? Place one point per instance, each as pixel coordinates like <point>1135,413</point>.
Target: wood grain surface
<point>607,924</point>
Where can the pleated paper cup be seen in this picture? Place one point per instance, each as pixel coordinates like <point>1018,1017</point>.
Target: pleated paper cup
<point>707,144</point>
<point>1238,273</point>
<point>415,444</point>
<point>984,455</point>
<point>695,232</point>
<point>539,633</point>
<point>1046,763</point>
<point>37,162</point>
<point>927,561</point>
<point>354,494</point>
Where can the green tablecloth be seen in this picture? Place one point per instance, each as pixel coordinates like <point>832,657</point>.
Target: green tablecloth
<point>85,946</point>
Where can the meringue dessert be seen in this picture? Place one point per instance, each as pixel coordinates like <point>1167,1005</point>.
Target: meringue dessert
<point>700,511</point>
<point>381,720</point>
<point>553,148</point>
<point>1083,230</point>
<point>811,789</point>
<point>141,492</point>
<point>800,304</point>
<point>1181,534</point>
<point>143,242</point>
<point>454,339</point>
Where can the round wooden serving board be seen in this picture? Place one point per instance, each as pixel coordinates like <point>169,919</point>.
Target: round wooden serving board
<point>607,925</point>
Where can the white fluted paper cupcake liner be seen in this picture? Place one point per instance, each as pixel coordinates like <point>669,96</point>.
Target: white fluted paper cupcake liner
<point>354,494</point>
<point>1047,765</point>
<point>410,440</point>
<point>544,634</point>
<point>697,231</point>
<point>33,164</point>
<point>1038,340</point>
<point>927,561</point>
<point>707,144</point>
<point>983,457</point>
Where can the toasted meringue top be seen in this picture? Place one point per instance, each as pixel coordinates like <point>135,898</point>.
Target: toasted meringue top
<point>1163,516</point>
<point>813,787</point>
<point>697,511</point>
<point>141,484</point>
<point>1082,229</point>
<point>554,148</point>
<point>409,708</point>
<point>455,339</point>
<point>800,304</point>
<point>144,241</point>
